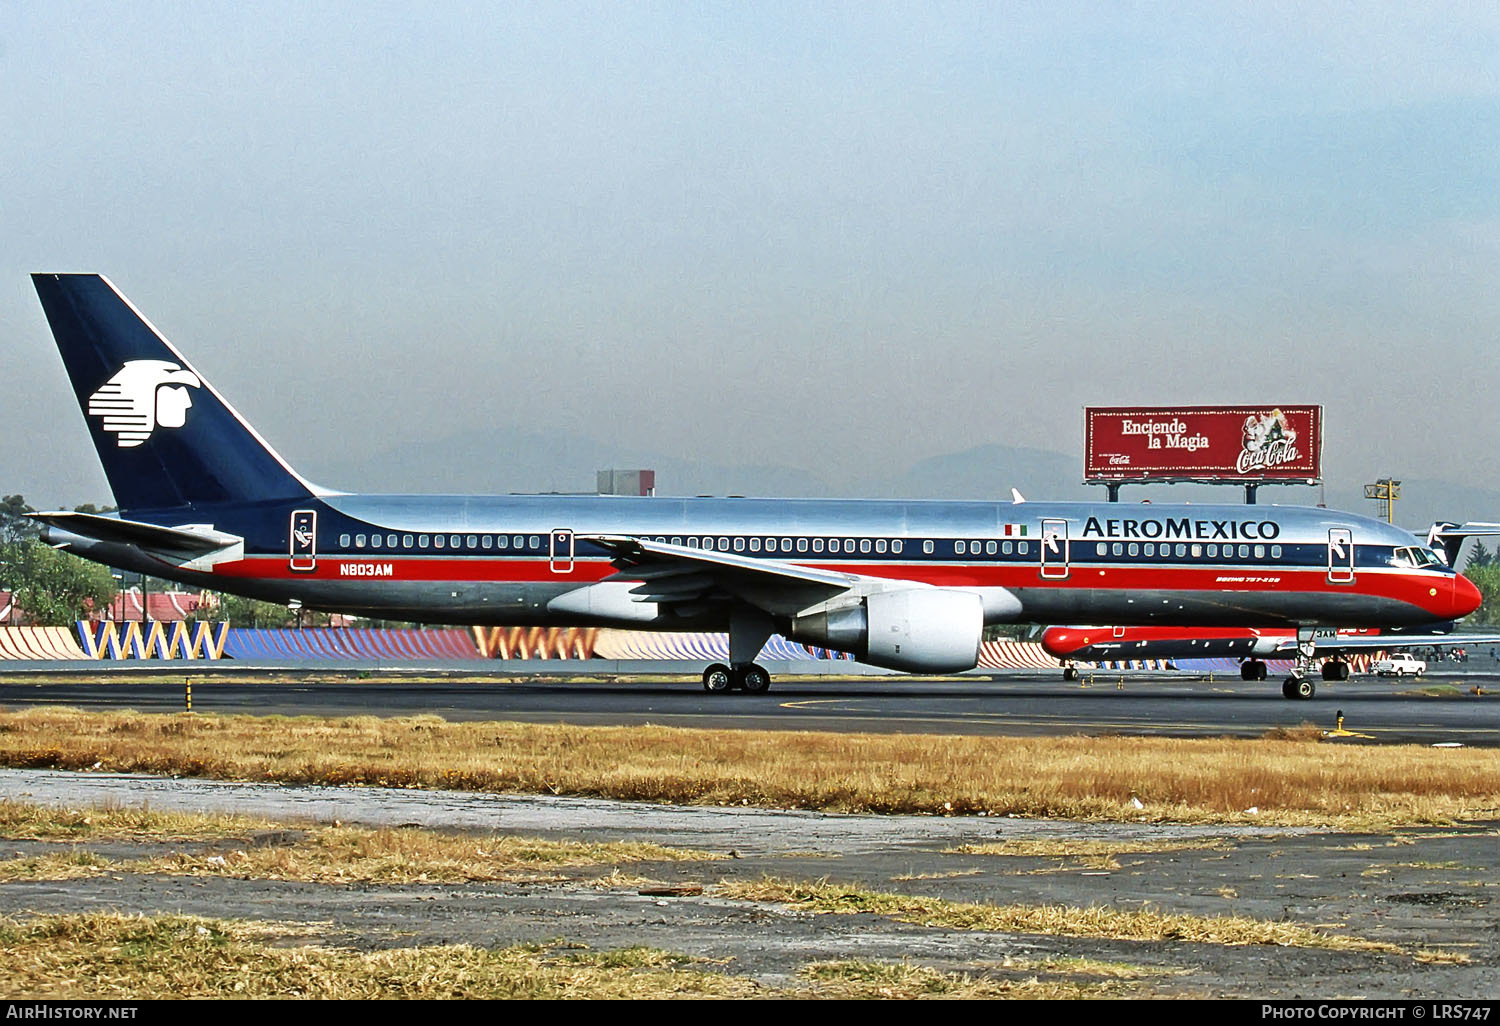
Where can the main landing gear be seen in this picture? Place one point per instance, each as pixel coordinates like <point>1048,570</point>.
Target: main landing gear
<point>1335,669</point>
<point>1253,669</point>
<point>749,629</point>
<point>752,679</point>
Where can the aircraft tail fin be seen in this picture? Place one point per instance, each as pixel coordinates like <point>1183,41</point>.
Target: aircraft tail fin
<point>166,437</point>
<point>1447,539</point>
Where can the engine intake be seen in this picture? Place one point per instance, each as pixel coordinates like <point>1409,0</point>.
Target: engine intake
<point>920,630</point>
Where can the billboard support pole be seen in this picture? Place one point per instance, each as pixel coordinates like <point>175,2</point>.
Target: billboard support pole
<point>1250,487</point>
<point>1114,490</point>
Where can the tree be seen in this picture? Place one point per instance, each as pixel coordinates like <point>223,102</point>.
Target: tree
<point>14,524</point>
<point>248,612</point>
<point>1479,557</point>
<point>53,588</point>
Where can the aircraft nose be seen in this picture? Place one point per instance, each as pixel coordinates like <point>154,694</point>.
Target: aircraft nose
<point>1466,597</point>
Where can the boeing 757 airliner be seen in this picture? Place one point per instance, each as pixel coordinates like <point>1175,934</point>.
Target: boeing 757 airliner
<point>204,500</point>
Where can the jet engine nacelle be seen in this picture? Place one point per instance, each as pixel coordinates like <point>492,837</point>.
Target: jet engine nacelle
<point>919,630</point>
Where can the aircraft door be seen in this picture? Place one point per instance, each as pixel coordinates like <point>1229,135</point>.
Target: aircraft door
<point>1340,555</point>
<point>303,540</point>
<point>560,550</point>
<point>1055,549</point>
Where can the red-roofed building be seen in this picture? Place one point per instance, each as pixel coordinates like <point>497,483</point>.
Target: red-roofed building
<point>162,606</point>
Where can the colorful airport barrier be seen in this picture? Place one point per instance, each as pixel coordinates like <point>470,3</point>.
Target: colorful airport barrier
<point>706,647</point>
<point>1015,655</point>
<point>535,642</point>
<point>106,639</point>
<point>39,643</point>
<point>350,643</point>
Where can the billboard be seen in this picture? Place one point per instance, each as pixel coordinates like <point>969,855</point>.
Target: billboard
<point>1219,444</point>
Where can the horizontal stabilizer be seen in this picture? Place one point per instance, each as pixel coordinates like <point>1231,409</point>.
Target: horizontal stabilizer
<point>190,541</point>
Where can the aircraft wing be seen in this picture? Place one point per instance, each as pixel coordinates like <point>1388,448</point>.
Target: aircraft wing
<point>687,577</point>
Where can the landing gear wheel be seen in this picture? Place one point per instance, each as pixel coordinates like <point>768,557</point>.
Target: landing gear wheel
<point>754,679</point>
<point>1247,671</point>
<point>717,678</point>
<point>1070,673</point>
<point>1260,670</point>
<point>1298,687</point>
<point>1335,670</point>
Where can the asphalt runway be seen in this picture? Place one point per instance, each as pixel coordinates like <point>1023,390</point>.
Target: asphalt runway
<point>1441,709</point>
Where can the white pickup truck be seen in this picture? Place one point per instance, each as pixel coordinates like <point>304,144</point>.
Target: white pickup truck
<point>1399,664</point>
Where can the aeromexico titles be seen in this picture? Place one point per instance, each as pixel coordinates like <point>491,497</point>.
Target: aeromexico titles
<point>910,586</point>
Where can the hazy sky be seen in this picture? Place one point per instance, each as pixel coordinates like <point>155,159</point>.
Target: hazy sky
<point>816,235</point>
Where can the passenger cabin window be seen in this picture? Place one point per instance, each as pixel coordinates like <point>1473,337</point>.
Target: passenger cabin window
<point>817,544</point>
<point>473,540</point>
<point>406,541</point>
<point>502,542</point>
<point>359,541</point>
<point>487,542</point>
<point>1023,547</point>
<point>896,546</point>
<point>536,542</point>
<point>438,541</point>
<point>343,541</point>
<point>927,547</point>
<point>786,545</point>
<point>390,541</point>
<point>422,541</point>
<point>864,545</point>
<point>991,548</point>
<point>880,545</point>
<point>960,548</point>
<point>754,544</point>
<point>739,545</point>
<point>801,544</point>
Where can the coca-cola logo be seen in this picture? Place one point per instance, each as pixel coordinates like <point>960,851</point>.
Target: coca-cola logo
<point>1272,454</point>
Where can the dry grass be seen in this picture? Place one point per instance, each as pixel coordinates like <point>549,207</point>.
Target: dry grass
<point>113,957</point>
<point>1054,920</point>
<point>408,855</point>
<point>315,854</point>
<point>20,820</point>
<point>57,865</point>
<point>107,956</point>
<point>1083,849</point>
<point>1287,781</point>
<point>851,979</point>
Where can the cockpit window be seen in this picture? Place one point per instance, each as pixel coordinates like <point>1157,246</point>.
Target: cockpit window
<point>1415,558</point>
